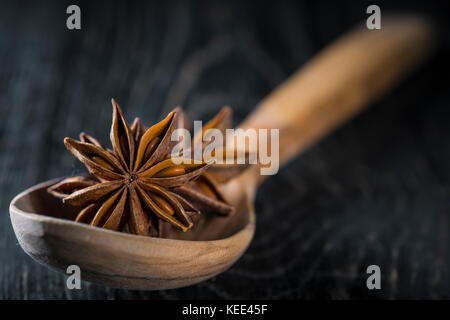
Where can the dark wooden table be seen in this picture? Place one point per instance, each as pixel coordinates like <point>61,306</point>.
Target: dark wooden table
<point>377,191</point>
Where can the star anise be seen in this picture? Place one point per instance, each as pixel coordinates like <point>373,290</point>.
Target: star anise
<point>134,184</point>
<point>204,192</point>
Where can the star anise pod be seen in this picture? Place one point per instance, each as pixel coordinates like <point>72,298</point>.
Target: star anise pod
<point>134,184</point>
<point>204,192</point>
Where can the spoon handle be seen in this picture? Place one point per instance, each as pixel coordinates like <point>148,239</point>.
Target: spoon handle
<point>340,82</point>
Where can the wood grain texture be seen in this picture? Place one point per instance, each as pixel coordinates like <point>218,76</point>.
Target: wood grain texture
<point>375,192</point>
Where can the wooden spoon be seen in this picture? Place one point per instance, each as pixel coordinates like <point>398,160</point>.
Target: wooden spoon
<point>328,91</point>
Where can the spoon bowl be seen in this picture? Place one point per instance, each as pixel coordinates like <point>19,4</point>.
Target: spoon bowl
<point>327,92</point>
<point>45,231</point>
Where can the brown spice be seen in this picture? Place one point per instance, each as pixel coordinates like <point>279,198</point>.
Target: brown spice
<point>135,187</point>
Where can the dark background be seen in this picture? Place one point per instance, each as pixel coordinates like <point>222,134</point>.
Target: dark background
<point>376,191</point>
